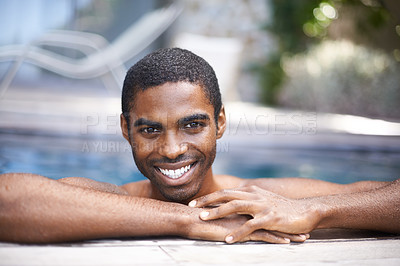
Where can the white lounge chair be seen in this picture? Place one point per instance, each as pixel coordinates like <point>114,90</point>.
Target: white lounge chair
<point>102,59</point>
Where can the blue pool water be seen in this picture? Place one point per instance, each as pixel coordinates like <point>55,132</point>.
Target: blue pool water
<point>111,160</point>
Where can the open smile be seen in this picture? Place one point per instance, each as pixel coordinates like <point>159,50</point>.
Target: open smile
<point>175,173</point>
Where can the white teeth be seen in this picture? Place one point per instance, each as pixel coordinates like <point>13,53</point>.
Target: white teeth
<point>174,174</point>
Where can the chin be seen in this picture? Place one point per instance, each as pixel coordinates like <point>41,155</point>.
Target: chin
<point>179,195</point>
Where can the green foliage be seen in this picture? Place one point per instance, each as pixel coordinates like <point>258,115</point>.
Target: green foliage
<point>297,25</point>
<point>287,21</point>
<point>271,78</point>
<point>288,17</point>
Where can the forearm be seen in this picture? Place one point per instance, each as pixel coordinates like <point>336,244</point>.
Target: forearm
<point>377,209</point>
<point>37,209</point>
<point>296,188</point>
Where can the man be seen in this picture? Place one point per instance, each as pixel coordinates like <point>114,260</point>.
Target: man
<point>172,117</point>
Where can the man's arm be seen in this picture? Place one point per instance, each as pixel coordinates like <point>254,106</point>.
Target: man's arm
<point>35,209</point>
<point>38,209</point>
<point>296,188</point>
<point>374,209</point>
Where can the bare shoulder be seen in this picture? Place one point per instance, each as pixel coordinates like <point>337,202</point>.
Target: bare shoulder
<point>92,184</point>
<point>138,189</point>
<point>229,181</point>
<point>293,187</point>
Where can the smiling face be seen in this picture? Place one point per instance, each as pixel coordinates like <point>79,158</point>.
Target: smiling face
<point>173,135</point>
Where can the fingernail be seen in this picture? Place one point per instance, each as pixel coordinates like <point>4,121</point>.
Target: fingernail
<point>229,239</point>
<point>302,236</point>
<point>192,203</point>
<point>204,214</point>
<point>287,240</point>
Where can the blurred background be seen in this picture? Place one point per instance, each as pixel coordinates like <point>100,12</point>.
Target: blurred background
<point>312,88</point>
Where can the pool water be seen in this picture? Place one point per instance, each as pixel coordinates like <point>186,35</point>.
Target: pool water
<point>111,160</point>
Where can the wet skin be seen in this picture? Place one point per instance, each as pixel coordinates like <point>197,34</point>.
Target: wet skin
<point>173,135</point>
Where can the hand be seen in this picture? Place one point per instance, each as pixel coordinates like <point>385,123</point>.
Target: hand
<point>269,211</point>
<point>217,230</point>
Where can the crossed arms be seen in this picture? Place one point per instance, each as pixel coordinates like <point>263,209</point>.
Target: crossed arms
<point>374,209</point>
<point>37,209</point>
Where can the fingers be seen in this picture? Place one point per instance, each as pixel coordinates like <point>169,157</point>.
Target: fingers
<point>270,237</point>
<point>252,226</point>
<point>265,236</point>
<point>247,229</point>
<point>261,235</point>
<point>221,196</point>
<point>293,237</point>
<point>232,207</point>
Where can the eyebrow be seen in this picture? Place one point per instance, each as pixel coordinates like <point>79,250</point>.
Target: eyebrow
<point>193,117</point>
<point>146,122</point>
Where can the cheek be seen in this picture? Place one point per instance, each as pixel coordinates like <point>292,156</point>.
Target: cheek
<point>203,141</point>
<point>142,148</point>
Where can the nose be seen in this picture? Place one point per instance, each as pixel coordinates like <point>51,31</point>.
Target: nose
<point>172,147</point>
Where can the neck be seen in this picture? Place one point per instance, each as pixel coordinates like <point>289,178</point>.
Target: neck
<point>209,185</point>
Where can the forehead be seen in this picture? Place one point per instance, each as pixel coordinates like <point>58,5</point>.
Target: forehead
<point>171,99</point>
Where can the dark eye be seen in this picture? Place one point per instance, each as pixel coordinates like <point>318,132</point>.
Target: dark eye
<point>149,130</point>
<point>192,125</point>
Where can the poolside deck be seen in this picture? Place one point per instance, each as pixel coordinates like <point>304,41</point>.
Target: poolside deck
<point>334,247</point>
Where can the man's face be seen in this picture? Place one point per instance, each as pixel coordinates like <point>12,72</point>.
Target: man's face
<point>173,136</point>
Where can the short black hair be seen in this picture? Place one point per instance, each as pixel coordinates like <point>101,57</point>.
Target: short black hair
<point>170,65</point>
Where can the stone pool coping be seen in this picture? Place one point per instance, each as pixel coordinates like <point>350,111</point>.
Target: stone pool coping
<point>338,247</point>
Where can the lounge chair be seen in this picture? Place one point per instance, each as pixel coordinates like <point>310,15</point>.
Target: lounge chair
<point>102,59</point>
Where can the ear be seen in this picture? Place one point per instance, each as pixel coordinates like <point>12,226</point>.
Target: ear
<point>221,123</point>
<point>124,127</point>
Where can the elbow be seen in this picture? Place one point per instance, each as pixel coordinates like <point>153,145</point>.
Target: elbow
<point>8,206</point>
<point>8,183</point>
<point>13,186</point>
<point>6,219</point>
<point>14,203</point>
